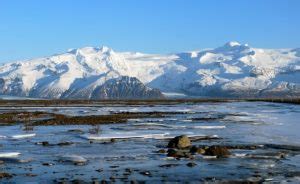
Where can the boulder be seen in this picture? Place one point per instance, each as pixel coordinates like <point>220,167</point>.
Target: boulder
<point>180,142</point>
<point>219,151</point>
<point>197,150</point>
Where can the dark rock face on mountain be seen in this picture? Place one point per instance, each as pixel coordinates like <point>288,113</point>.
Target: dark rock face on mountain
<point>125,88</point>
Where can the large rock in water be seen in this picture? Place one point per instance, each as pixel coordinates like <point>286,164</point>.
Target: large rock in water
<point>125,88</point>
<point>180,142</point>
<point>219,151</point>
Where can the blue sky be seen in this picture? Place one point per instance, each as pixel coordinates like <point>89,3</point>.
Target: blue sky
<point>33,28</point>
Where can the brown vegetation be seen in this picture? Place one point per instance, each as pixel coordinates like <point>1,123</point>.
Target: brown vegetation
<point>43,118</point>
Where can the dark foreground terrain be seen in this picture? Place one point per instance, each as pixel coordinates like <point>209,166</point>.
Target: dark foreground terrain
<point>152,141</point>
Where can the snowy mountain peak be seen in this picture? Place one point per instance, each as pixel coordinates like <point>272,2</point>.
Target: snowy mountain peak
<point>91,50</point>
<point>105,49</point>
<point>235,49</point>
<point>232,44</point>
<point>233,69</point>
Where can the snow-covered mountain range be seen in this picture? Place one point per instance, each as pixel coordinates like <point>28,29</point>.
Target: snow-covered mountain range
<point>232,70</point>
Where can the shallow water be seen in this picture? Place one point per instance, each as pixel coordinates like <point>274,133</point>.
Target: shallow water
<point>258,123</point>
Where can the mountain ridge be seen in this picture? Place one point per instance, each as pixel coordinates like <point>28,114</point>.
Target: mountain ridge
<point>231,70</point>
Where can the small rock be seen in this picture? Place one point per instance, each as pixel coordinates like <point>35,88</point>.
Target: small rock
<point>179,153</point>
<point>169,165</point>
<point>76,131</point>
<point>1,162</point>
<point>47,164</point>
<point>180,142</point>
<point>114,166</point>
<point>245,147</point>
<point>112,178</point>
<point>104,182</point>
<point>200,151</point>
<point>128,170</point>
<point>175,153</point>
<point>191,164</point>
<point>5,175</point>
<point>134,182</point>
<point>44,143</point>
<point>99,170</point>
<point>126,174</point>
<point>161,151</point>
<point>95,182</point>
<point>31,175</point>
<point>79,163</point>
<point>78,181</point>
<point>65,143</point>
<point>146,173</point>
<point>195,149</point>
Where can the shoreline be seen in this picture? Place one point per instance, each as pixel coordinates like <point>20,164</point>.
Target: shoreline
<point>88,103</point>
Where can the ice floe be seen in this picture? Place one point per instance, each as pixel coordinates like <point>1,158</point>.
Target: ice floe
<point>209,127</point>
<point>149,124</point>
<point>3,137</point>
<point>135,120</point>
<point>9,154</point>
<point>22,136</point>
<point>76,159</point>
<point>124,136</point>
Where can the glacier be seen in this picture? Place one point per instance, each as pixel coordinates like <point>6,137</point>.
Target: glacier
<point>231,70</point>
